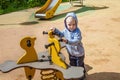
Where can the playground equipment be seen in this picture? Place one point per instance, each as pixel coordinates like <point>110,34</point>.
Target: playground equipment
<point>48,9</point>
<point>54,50</point>
<point>30,55</point>
<point>80,1</point>
<point>51,64</point>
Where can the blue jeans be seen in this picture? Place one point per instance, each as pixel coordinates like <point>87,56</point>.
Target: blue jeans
<point>77,61</point>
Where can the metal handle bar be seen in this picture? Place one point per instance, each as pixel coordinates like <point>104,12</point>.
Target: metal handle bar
<point>48,45</point>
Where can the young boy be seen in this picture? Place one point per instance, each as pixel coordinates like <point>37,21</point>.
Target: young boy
<point>72,35</point>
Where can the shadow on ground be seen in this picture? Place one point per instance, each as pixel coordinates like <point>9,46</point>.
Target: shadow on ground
<point>102,75</point>
<point>23,23</point>
<point>80,10</point>
<point>58,16</point>
<point>29,23</point>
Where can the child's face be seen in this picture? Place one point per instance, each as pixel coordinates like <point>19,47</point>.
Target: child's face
<point>71,24</point>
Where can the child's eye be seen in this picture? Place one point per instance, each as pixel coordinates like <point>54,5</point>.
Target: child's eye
<point>73,24</point>
<point>69,24</point>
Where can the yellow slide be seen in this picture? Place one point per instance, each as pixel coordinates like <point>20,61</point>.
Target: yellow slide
<point>48,9</point>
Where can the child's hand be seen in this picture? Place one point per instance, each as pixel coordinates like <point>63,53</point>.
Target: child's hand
<point>52,28</point>
<point>65,40</point>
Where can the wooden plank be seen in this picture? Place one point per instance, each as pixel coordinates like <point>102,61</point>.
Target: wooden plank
<point>71,72</point>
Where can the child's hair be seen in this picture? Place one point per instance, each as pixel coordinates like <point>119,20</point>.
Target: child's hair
<point>70,18</point>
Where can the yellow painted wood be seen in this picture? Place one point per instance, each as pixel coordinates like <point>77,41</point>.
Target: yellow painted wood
<point>30,55</point>
<point>54,51</point>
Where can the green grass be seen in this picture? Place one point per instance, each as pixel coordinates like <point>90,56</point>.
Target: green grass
<point>14,6</point>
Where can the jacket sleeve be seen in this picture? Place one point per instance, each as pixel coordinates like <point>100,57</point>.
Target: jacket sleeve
<point>58,33</point>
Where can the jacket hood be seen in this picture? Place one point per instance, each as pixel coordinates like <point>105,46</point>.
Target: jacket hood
<point>72,14</point>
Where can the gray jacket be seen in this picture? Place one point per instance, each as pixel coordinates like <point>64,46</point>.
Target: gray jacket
<point>74,45</point>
